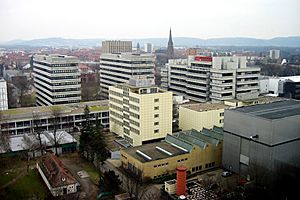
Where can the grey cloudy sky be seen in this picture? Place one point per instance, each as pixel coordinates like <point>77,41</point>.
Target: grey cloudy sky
<point>30,19</point>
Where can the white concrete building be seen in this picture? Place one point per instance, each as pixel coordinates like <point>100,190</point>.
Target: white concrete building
<point>148,48</point>
<point>116,46</point>
<point>274,53</point>
<point>56,79</point>
<point>119,68</point>
<point>3,95</point>
<point>204,78</point>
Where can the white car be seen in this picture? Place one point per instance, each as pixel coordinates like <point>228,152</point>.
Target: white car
<point>226,173</point>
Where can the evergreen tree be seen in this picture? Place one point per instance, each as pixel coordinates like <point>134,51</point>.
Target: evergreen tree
<point>110,181</point>
<point>85,136</point>
<point>98,145</point>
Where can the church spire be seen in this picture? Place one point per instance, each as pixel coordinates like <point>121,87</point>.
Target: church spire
<point>170,50</point>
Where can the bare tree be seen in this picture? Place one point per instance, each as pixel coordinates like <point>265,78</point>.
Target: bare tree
<point>4,134</point>
<point>135,187</point>
<point>56,113</point>
<point>30,145</point>
<point>22,84</point>
<point>36,129</point>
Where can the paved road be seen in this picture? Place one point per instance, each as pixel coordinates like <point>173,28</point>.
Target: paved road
<point>151,192</point>
<point>89,189</point>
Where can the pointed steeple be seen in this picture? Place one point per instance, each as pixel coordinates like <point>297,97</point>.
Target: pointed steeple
<point>170,50</point>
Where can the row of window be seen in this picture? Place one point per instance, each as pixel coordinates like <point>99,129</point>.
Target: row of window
<point>56,65</point>
<point>181,160</point>
<point>134,130</point>
<point>57,71</point>
<point>116,100</point>
<point>135,123</point>
<point>125,61</point>
<point>136,100</point>
<point>197,168</point>
<point>115,107</point>
<point>111,92</point>
<point>57,77</point>
<point>117,115</point>
<point>161,165</point>
<point>116,121</point>
<point>58,84</point>
<point>134,107</point>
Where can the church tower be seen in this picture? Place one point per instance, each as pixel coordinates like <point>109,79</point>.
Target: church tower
<point>170,50</point>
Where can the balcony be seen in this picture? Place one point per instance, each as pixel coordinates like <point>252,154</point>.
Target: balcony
<point>221,90</point>
<point>245,88</point>
<point>247,82</point>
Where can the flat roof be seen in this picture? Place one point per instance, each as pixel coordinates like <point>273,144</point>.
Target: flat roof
<point>151,152</point>
<point>274,110</point>
<point>177,144</point>
<point>200,107</point>
<point>27,112</point>
<point>261,99</point>
<point>21,142</point>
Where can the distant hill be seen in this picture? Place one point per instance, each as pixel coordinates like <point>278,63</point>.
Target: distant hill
<point>162,42</point>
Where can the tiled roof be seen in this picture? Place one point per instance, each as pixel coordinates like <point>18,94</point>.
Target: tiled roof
<point>56,173</point>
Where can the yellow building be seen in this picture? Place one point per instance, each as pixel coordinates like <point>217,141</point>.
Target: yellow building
<point>201,115</point>
<point>140,111</point>
<point>197,151</point>
<point>260,100</point>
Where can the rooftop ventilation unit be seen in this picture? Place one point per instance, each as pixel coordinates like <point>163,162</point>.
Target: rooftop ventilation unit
<point>163,150</point>
<point>143,155</point>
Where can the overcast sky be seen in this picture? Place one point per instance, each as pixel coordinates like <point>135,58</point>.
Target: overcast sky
<point>116,19</point>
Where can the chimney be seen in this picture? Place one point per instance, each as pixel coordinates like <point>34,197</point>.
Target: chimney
<point>181,181</point>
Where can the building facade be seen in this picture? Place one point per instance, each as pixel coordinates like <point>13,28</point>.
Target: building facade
<point>288,86</point>
<point>148,48</point>
<point>116,46</point>
<point>262,142</point>
<point>3,95</point>
<point>20,121</point>
<point>274,54</point>
<point>140,112</point>
<point>119,68</point>
<point>56,79</point>
<point>199,116</point>
<point>204,78</point>
<point>197,151</point>
<point>56,176</point>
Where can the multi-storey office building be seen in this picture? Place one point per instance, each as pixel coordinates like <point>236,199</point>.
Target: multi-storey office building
<point>3,95</point>
<point>203,78</point>
<point>231,78</point>
<point>140,112</point>
<point>119,68</point>
<point>116,46</point>
<point>164,72</point>
<point>56,79</point>
<point>148,48</point>
<point>22,120</point>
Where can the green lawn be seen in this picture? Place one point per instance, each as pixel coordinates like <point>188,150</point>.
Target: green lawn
<point>7,176</point>
<point>91,170</point>
<point>31,185</point>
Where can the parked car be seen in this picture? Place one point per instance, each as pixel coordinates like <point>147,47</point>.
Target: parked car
<point>226,173</point>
